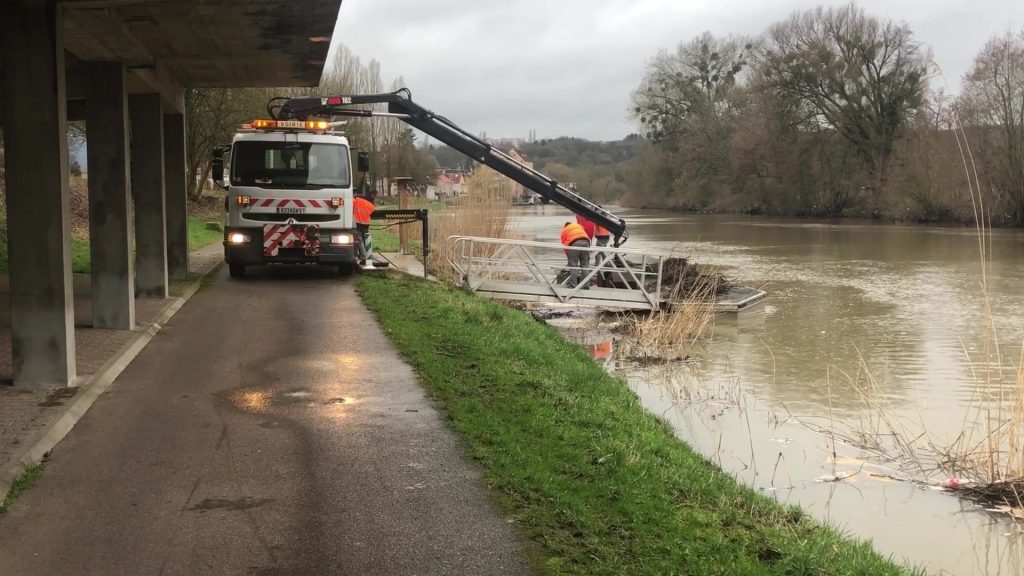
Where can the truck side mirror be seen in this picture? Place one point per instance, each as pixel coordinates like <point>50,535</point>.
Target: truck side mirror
<point>217,166</point>
<point>363,162</point>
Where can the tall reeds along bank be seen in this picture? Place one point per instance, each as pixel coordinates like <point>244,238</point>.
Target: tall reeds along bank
<point>688,316</point>
<point>981,457</point>
<point>484,210</point>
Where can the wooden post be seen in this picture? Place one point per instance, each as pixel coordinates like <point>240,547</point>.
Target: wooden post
<point>403,202</point>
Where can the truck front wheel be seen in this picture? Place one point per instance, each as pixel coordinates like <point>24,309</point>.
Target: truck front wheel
<point>236,269</point>
<point>346,268</point>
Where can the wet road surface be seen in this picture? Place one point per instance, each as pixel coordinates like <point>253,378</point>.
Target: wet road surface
<point>270,428</point>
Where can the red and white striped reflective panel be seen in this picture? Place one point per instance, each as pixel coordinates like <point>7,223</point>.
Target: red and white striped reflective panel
<point>284,202</point>
<point>277,236</point>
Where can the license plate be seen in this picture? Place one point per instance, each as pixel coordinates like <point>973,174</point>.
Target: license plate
<point>291,210</point>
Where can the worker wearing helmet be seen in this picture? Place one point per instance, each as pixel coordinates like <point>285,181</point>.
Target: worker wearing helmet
<point>362,209</point>
<point>574,236</point>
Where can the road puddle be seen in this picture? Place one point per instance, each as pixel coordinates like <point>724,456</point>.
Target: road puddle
<point>326,400</point>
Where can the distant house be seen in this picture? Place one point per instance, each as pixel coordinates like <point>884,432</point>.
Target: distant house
<point>450,183</point>
<point>522,192</point>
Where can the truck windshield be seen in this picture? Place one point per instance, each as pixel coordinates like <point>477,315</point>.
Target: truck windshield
<point>302,165</point>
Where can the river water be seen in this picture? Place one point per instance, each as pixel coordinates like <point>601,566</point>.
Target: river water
<point>866,326</point>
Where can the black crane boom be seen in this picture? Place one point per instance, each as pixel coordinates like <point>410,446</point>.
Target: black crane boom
<point>401,106</point>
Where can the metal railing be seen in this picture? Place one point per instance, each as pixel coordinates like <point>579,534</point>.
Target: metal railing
<point>538,271</point>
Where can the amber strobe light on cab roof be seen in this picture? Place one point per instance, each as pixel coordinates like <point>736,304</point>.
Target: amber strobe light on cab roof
<point>264,124</point>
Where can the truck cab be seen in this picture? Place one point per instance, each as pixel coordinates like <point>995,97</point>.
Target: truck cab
<point>289,197</point>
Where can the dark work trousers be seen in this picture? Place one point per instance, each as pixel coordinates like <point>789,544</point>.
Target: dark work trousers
<point>579,261</point>
<point>600,242</point>
<point>361,231</point>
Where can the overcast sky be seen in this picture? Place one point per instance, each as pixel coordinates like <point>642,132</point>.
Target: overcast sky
<point>568,67</point>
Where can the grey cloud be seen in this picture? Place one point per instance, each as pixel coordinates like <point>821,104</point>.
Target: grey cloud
<point>568,67</point>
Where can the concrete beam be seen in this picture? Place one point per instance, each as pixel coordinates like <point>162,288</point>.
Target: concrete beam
<point>145,80</point>
<point>100,34</point>
<point>147,125</point>
<point>110,231</point>
<point>158,79</point>
<point>175,189</point>
<point>38,203</point>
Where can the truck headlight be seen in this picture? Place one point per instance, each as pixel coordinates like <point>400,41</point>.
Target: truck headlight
<point>341,238</point>
<point>238,238</point>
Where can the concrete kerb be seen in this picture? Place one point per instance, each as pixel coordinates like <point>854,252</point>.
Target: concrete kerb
<point>37,447</point>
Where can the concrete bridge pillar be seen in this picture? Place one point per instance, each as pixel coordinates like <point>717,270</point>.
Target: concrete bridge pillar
<point>177,196</point>
<point>38,205</point>
<point>147,127</point>
<point>110,231</point>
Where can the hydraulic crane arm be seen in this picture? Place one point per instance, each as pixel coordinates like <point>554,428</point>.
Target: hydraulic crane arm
<point>401,106</point>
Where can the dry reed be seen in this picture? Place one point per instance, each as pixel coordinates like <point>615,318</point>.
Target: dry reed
<point>484,210</point>
<point>669,332</point>
<point>984,459</point>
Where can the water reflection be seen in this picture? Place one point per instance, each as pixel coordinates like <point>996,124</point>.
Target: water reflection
<point>859,316</point>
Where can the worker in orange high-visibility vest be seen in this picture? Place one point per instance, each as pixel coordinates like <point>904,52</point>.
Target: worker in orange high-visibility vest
<point>574,236</point>
<point>362,209</point>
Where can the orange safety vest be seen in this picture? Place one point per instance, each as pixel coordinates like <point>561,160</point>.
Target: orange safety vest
<point>362,209</point>
<point>601,230</point>
<point>573,232</point>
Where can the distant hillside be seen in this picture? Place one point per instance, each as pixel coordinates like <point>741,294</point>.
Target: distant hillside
<point>602,171</point>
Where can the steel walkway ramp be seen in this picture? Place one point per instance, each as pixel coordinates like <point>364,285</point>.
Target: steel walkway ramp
<point>537,272</point>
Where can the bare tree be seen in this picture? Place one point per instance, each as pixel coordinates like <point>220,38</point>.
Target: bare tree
<point>854,74</point>
<point>213,115</point>
<point>993,104</point>
<point>688,91</point>
<point>687,104</point>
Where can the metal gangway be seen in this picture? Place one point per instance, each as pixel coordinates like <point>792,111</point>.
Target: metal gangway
<point>537,272</point>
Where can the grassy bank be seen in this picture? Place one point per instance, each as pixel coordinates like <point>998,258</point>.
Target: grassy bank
<point>386,240</point>
<point>198,236</point>
<point>602,485</point>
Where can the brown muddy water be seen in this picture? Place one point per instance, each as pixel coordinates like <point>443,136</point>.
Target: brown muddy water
<point>900,303</point>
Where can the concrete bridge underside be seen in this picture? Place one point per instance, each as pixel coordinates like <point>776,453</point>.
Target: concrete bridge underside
<point>121,66</point>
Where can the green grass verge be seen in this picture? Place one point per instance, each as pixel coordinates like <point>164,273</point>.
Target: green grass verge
<point>601,484</point>
<point>199,236</point>
<point>27,479</point>
<point>386,240</point>
<point>79,252</point>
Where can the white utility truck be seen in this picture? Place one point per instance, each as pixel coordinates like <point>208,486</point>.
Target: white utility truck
<point>289,196</point>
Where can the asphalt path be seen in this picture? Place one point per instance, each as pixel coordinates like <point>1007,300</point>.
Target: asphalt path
<point>270,428</point>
